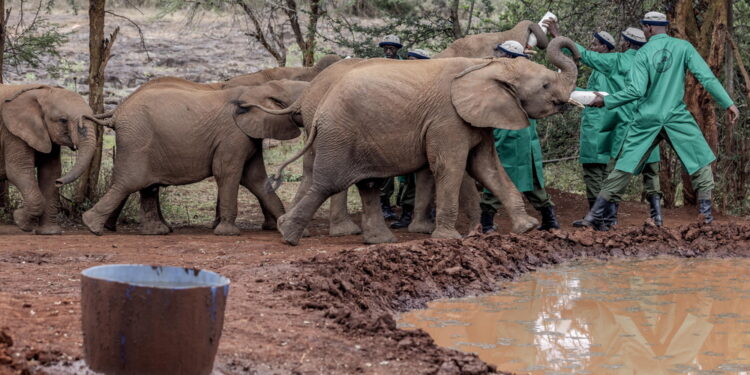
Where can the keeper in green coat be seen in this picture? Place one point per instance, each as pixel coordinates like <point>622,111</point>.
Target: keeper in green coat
<point>612,69</point>
<point>656,84</point>
<point>521,155</point>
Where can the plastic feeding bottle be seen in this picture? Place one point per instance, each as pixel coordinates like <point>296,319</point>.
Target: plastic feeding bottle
<point>532,37</point>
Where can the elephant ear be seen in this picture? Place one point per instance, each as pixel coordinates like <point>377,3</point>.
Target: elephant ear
<point>22,116</point>
<point>482,97</point>
<point>256,123</point>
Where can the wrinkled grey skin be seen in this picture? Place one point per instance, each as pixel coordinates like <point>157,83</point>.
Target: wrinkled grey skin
<point>438,116</point>
<point>179,135</point>
<point>36,121</point>
<point>483,45</point>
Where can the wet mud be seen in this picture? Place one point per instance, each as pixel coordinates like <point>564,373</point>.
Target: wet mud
<point>361,290</point>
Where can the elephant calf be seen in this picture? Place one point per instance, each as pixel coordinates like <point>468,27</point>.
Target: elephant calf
<point>36,121</point>
<point>180,135</point>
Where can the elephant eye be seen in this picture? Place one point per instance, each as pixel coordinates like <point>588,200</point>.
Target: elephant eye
<point>63,120</point>
<point>545,86</point>
<point>278,103</point>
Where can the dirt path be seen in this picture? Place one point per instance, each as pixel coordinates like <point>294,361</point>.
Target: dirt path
<point>325,306</point>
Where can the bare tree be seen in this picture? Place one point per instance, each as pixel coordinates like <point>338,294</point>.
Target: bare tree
<point>100,49</point>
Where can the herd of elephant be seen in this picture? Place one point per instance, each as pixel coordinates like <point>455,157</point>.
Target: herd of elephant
<point>365,119</point>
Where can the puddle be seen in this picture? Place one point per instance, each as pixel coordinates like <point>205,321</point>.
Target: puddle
<point>659,316</point>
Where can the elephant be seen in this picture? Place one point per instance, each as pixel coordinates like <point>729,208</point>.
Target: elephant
<point>482,45</point>
<point>174,136</point>
<point>293,73</point>
<point>438,114</point>
<point>36,121</point>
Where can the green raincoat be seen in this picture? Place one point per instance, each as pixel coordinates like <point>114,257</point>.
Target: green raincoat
<point>597,126</point>
<point>613,68</point>
<point>656,84</point>
<point>521,154</point>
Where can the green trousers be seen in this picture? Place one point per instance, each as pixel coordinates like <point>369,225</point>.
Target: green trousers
<point>594,176</point>
<point>617,181</point>
<point>406,190</point>
<point>538,198</point>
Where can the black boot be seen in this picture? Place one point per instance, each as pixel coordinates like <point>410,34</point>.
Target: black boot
<point>704,208</point>
<point>655,202</point>
<point>405,219</point>
<point>612,217</point>
<point>591,203</point>
<point>385,205</point>
<point>488,222</point>
<point>549,219</point>
<point>597,217</point>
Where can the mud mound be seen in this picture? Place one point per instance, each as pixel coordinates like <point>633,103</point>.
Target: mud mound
<point>362,289</point>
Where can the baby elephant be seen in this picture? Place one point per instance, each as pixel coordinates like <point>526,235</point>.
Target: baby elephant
<point>179,135</point>
<point>36,121</point>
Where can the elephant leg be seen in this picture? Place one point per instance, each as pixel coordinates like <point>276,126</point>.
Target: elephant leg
<point>375,229</point>
<point>340,223</point>
<point>161,215</point>
<point>468,205</point>
<point>485,166</point>
<point>308,159</point>
<point>448,167</point>
<point>254,178</point>
<point>151,221</point>
<point>49,169</point>
<point>293,223</point>
<point>19,162</point>
<point>421,223</point>
<point>228,176</point>
<point>111,223</point>
<point>217,213</point>
<point>96,216</point>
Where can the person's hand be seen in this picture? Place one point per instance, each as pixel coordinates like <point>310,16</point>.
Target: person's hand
<point>551,27</point>
<point>598,101</point>
<point>733,114</point>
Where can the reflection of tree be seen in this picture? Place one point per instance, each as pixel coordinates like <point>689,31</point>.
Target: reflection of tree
<point>661,318</point>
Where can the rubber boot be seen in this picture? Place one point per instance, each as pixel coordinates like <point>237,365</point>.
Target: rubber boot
<point>549,219</point>
<point>591,203</point>
<point>388,213</point>
<point>614,209</point>
<point>597,217</point>
<point>488,222</point>
<point>405,219</point>
<point>655,202</point>
<point>704,208</point>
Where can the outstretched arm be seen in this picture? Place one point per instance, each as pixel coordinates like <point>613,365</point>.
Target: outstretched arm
<point>703,73</point>
<point>637,84</point>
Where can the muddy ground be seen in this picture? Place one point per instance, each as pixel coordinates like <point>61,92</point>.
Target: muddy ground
<point>326,306</point>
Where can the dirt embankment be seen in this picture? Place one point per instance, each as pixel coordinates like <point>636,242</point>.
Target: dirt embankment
<point>362,290</point>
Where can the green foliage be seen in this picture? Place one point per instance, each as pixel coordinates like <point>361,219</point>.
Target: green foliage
<point>33,41</point>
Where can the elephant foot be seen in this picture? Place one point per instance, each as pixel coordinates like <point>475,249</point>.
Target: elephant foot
<point>446,233</point>
<point>523,224</point>
<point>89,220</point>
<point>226,229</point>
<point>23,220</point>
<point>269,224</point>
<point>290,231</point>
<point>384,236</point>
<point>425,227</point>
<point>306,233</point>
<point>49,229</point>
<point>344,228</point>
<point>157,228</point>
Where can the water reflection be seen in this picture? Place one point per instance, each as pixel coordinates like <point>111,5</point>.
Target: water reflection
<point>656,316</point>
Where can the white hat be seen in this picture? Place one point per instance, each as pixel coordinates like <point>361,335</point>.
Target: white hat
<point>391,40</point>
<point>634,36</point>
<point>419,54</point>
<point>606,39</point>
<point>655,18</point>
<point>512,48</point>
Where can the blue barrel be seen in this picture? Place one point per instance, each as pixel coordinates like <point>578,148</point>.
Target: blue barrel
<point>152,320</point>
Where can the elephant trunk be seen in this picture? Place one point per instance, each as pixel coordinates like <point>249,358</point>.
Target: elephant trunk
<point>541,37</point>
<point>567,66</point>
<point>86,150</point>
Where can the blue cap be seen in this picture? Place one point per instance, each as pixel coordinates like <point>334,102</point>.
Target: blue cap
<point>604,41</point>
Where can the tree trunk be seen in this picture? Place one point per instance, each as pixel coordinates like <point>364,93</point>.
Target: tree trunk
<point>4,198</point>
<point>99,53</point>
<point>706,29</point>
<point>306,42</point>
<point>455,20</point>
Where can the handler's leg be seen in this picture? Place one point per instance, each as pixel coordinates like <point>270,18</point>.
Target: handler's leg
<point>703,183</point>
<point>653,192</point>
<point>542,202</point>
<point>594,175</point>
<point>489,204</point>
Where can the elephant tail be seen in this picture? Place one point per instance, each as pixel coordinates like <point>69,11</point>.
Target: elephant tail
<point>274,181</point>
<point>97,119</point>
<point>105,115</point>
<point>292,109</point>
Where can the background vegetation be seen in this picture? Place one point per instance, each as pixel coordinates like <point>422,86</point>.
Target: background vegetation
<point>295,32</point>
